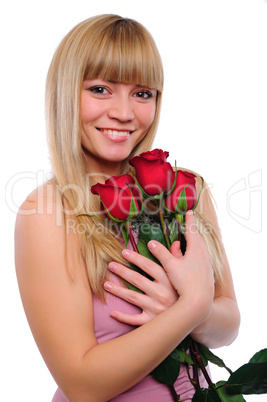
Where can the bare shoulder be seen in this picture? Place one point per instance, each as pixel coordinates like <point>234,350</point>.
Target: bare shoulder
<point>38,223</point>
<point>42,205</point>
<point>42,238</point>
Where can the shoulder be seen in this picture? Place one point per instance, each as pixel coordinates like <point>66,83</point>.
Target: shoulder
<point>42,232</point>
<point>40,205</point>
<point>39,226</point>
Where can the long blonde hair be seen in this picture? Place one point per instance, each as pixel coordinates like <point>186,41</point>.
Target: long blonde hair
<point>111,48</point>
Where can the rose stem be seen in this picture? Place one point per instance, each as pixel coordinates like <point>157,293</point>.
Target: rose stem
<point>195,379</point>
<point>192,380</point>
<point>176,397</point>
<point>180,219</point>
<point>200,363</point>
<point>132,240</point>
<point>163,225</point>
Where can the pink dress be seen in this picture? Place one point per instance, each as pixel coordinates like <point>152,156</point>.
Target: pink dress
<point>148,389</point>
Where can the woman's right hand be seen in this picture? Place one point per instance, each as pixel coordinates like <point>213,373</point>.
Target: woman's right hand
<point>191,274</point>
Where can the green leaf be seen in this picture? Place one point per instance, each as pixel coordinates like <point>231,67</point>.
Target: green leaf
<point>173,227</point>
<point>143,250</point>
<point>125,235</point>
<point>168,370</point>
<point>184,357</point>
<point>251,378</point>
<point>259,357</point>
<point>185,344</point>
<point>132,287</point>
<point>151,232</point>
<point>225,397</point>
<point>182,202</point>
<point>180,218</point>
<point>129,285</point>
<point>206,395</point>
<point>208,355</point>
<point>134,211</point>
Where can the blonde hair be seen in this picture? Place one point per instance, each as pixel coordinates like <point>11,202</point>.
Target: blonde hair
<point>111,48</point>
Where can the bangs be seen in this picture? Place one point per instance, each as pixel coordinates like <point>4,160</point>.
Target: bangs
<point>125,52</point>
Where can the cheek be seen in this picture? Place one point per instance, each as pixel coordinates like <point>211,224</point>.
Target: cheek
<point>90,110</point>
<point>147,115</point>
<point>146,119</point>
<point>151,113</point>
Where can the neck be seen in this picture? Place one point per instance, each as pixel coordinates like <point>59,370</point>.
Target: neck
<point>102,170</point>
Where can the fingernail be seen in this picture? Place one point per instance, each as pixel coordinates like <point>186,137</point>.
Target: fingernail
<point>112,266</point>
<point>151,245</point>
<point>113,314</point>
<point>107,286</point>
<point>125,253</point>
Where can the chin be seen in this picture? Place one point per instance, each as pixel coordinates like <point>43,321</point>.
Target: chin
<point>120,155</point>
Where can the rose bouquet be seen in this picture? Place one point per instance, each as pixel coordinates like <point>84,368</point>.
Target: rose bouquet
<point>152,202</point>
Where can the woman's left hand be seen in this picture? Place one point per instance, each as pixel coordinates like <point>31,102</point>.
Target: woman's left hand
<point>158,295</point>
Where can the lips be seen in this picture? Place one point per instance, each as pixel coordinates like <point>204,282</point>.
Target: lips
<point>115,135</point>
<point>120,133</point>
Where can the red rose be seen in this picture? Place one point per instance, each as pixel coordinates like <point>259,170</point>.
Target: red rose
<point>184,196</point>
<point>153,174</point>
<point>120,197</point>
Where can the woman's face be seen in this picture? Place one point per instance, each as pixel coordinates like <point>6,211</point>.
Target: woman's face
<point>115,117</point>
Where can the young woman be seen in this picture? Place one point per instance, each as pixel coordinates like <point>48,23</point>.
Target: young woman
<point>99,339</point>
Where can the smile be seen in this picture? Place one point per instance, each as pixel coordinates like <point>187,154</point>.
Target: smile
<point>115,136</point>
<point>115,133</point>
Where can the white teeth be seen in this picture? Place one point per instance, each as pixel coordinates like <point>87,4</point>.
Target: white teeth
<point>116,133</point>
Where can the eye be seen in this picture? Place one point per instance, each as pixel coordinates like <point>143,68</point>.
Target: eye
<point>143,94</point>
<point>98,90</point>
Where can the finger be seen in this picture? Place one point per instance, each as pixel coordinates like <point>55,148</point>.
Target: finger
<point>131,296</point>
<point>148,266</point>
<point>146,285</point>
<point>191,232</point>
<point>135,319</point>
<point>176,249</point>
<point>162,254</point>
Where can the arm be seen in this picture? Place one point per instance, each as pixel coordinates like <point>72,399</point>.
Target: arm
<point>221,328</point>
<point>58,304</point>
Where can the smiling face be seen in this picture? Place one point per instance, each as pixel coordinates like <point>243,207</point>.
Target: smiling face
<point>115,117</point>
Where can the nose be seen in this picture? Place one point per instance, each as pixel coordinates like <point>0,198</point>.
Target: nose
<point>121,109</point>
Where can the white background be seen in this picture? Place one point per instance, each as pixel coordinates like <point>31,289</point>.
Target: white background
<point>213,121</point>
